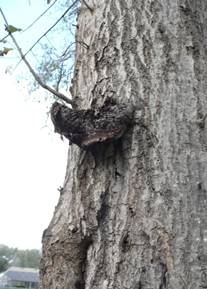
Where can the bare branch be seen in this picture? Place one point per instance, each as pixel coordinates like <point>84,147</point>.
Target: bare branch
<point>37,78</point>
<point>63,15</point>
<point>39,17</point>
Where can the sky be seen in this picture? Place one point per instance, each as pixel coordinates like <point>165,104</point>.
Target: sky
<point>32,158</point>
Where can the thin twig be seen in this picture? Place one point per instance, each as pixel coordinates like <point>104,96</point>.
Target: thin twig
<point>63,15</point>
<point>82,43</point>
<point>67,49</point>
<point>86,4</point>
<point>37,78</point>
<point>51,44</point>
<point>39,17</point>
<point>2,40</point>
<point>60,75</point>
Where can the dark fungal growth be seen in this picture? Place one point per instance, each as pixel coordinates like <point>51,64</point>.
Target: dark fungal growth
<point>87,128</point>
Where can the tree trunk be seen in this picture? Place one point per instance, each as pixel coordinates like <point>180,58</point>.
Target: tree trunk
<point>134,215</point>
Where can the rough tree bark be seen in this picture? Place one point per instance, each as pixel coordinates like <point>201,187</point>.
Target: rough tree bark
<point>136,218</point>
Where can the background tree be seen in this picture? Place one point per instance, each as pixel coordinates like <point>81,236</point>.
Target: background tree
<point>27,258</point>
<point>136,217</point>
<point>20,258</point>
<point>7,255</point>
<point>4,264</point>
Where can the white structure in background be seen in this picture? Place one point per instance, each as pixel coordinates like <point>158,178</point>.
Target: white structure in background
<point>20,277</point>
